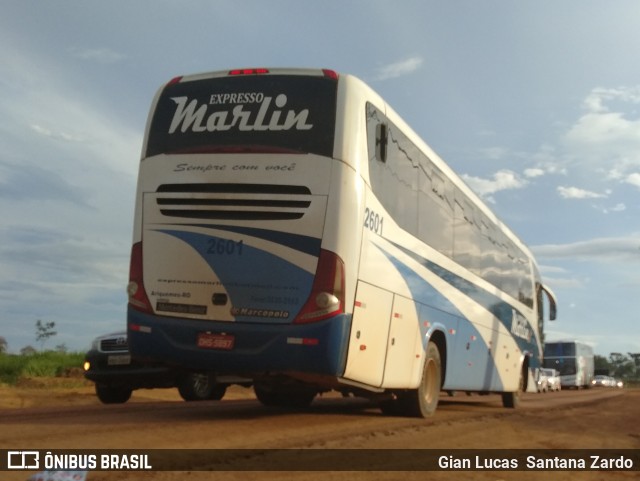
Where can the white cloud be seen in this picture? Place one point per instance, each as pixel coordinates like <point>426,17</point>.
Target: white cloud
<point>559,277</point>
<point>604,144</point>
<point>601,249</point>
<point>551,270</point>
<point>597,128</point>
<point>577,193</point>
<point>618,207</point>
<point>535,172</point>
<point>399,69</point>
<point>607,136</point>
<point>502,180</point>
<point>633,179</point>
<point>545,161</point>
<point>494,153</point>
<point>70,129</point>
<point>565,282</point>
<point>595,101</point>
<point>59,135</point>
<point>613,174</point>
<point>99,55</point>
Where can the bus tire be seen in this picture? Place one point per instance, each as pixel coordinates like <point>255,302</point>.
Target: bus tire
<point>511,400</point>
<point>422,402</point>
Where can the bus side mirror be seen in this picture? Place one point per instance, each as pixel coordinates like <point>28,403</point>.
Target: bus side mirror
<point>382,134</point>
<point>553,310</point>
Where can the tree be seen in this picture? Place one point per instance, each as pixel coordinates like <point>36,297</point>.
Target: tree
<point>636,360</point>
<point>28,351</point>
<point>601,365</point>
<point>3,345</point>
<point>621,365</point>
<point>44,330</point>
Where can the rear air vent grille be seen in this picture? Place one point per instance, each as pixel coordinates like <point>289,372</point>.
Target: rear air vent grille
<point>233,201</point>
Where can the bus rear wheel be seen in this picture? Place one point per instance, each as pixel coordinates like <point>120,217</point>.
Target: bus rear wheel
<point>422,402</point>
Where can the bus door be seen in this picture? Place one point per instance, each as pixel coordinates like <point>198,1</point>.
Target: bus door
<point>404,345</point>
<point>369,335</point>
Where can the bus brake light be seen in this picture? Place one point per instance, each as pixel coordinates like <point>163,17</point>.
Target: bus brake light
<point>248,71</point>
<point>327,294</point>
<point>137,296</point>
<point>332,74</point>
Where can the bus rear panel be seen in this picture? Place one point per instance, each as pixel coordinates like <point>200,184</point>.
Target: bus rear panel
<point>229,269</point>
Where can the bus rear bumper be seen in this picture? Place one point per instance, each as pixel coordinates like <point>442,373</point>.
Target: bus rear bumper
<point>244,349</point>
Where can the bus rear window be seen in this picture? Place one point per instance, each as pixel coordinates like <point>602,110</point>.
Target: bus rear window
<point>559,349</point>
<point>271,113</point>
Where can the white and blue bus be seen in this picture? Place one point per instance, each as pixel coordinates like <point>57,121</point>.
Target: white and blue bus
<point>293,231</point>
<point>573,360</point>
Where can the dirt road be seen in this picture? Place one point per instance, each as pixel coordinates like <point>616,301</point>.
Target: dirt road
<point>595,419</point>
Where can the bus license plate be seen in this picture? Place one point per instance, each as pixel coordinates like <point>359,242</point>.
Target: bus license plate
<point>207,340</point>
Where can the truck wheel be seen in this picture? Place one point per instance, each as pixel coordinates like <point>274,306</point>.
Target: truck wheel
<point>112,394</point>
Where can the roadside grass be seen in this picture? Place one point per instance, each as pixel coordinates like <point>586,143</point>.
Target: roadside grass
<point>14,368</point>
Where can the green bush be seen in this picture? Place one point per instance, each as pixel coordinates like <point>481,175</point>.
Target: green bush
<point>11,367</point>
<point>41,364</point>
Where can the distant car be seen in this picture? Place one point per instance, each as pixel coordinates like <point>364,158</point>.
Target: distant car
<point>116,375</point>
<point>543,381</point>
<point>604,381</point>
<point>553,379</point>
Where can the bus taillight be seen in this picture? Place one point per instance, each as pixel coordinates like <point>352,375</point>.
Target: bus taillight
<point>327,294</point>
<point>137,296</point>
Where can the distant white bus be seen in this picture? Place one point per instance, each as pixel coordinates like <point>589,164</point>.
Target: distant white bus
<point>574,361</point>
<point>292,230</point>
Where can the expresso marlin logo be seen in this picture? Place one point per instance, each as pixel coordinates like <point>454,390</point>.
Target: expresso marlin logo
<point>520,326</point>
<point>201,117</point>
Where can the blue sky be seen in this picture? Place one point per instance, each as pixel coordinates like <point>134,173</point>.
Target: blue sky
<point>536,104</point>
